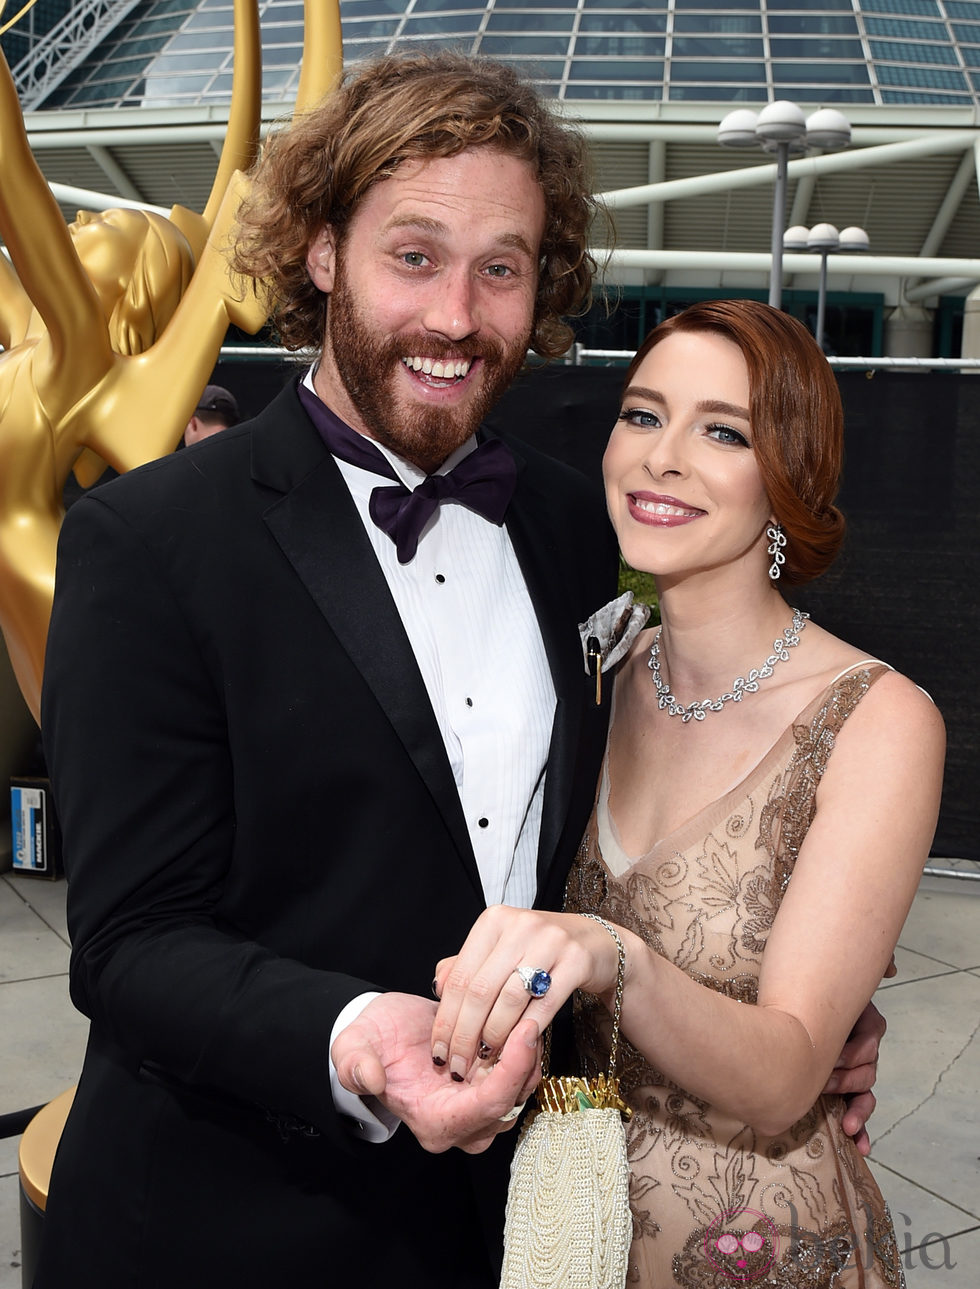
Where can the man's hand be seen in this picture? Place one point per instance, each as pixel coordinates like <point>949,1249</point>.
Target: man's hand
<point>855,1073</point>
<point>387,1053</point>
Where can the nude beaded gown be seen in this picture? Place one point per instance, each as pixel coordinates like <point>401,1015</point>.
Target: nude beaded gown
<point>716,1204</point>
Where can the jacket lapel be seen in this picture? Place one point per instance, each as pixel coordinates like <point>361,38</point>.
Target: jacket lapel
<point>318,529</point>
<point>535,526</point>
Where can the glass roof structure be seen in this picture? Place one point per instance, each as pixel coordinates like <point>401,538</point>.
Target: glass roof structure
<point>29,27</point>
<point>134,109</point>
<point>173,53</point>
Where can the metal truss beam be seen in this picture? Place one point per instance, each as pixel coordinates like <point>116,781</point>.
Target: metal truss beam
<point>66,45</point>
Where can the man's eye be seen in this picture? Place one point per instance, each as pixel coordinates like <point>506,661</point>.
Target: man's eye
<point>414,259</point>
<point>498,270</point>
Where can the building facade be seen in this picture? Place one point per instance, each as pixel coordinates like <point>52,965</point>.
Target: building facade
<point>136,110</point>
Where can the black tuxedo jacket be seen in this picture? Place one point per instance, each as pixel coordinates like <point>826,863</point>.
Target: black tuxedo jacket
<point>260,824</point>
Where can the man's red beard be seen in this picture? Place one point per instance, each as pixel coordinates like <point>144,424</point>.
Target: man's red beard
<point>367,363</point>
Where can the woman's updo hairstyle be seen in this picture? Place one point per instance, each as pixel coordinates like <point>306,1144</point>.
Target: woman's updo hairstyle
<point>796,417</point>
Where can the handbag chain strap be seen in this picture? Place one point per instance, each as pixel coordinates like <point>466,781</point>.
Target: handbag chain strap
<point>566,1094</point>
<point>620,977</point>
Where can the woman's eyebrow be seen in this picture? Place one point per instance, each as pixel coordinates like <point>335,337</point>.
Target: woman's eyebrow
<point>706,405</point>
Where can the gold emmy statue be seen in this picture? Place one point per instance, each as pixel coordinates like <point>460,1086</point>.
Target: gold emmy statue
<point>111,326</point>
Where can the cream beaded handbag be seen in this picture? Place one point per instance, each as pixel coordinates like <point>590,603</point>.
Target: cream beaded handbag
<point>568,1223</point>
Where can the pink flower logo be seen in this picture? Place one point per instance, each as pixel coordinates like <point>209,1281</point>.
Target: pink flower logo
<point>742,1244</point>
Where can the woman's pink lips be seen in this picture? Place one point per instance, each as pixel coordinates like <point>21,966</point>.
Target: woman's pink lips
<point>644,516</point>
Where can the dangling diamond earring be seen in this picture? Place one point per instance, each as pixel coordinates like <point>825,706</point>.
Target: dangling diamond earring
<point>777,539</point>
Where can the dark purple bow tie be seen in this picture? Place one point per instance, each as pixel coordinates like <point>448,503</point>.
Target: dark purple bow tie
<point>483,481</point>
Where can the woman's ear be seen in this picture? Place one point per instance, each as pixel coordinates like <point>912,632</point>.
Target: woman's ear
<point>321,259</point>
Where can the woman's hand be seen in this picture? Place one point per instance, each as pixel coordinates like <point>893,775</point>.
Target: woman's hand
<point>481,995</point>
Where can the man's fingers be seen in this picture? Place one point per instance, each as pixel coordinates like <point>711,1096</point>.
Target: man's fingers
<point>855,1080</point>
<point>509,1082</point>
<point>477,1145</point>
<point>870,1026</point>
<point>359,1070</point>
<point>528,1042</point>
<point>859,1053</point>
<point>534,1075</point>
<point>863,1143</point>
<point>481,1072</point>
<point>518,1062</point>
<point>859,1111</point>
<point>472,1115</point>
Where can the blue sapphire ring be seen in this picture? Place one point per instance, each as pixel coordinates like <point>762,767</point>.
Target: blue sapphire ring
<point>536,980</point>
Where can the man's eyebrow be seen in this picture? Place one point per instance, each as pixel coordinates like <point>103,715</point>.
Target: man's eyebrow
<point>706,405</point>
<point>426,224</point>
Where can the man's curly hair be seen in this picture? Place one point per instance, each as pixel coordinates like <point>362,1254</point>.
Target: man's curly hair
<point>316,170</point>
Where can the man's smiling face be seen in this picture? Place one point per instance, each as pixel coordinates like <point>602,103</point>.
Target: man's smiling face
<point>432,293</point>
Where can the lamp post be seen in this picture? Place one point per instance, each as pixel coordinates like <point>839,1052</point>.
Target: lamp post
<point>782,128</point>
<point>822,240</point>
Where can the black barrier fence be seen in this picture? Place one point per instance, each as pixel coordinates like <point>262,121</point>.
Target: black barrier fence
<point>906,585</point>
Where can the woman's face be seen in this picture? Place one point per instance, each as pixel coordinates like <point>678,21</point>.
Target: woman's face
<point>683,486</point>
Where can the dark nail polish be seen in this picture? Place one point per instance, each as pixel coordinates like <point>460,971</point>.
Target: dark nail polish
<point>456,1078</point>
<point>435,988</point>
<point>437,1060</point>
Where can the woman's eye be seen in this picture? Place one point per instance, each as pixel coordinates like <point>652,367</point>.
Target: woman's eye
<point>498,270</point>
<point>639,417</point>
<point>726,434</point>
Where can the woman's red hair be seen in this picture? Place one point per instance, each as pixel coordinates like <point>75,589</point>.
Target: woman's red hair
<point>796,417</point>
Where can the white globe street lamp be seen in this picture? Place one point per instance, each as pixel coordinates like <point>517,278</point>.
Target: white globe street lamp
<point>823,240</point>
<point>782,128</point>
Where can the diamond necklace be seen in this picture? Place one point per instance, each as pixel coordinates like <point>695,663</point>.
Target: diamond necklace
<point>741,685</point>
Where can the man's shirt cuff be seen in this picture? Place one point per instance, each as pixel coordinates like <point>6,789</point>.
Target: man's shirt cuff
<point>368,1117</point>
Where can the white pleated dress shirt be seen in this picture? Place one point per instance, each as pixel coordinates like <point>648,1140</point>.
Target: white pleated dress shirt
<point>473,629</point>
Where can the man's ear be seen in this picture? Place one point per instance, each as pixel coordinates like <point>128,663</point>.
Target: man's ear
<point>321,259</point>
